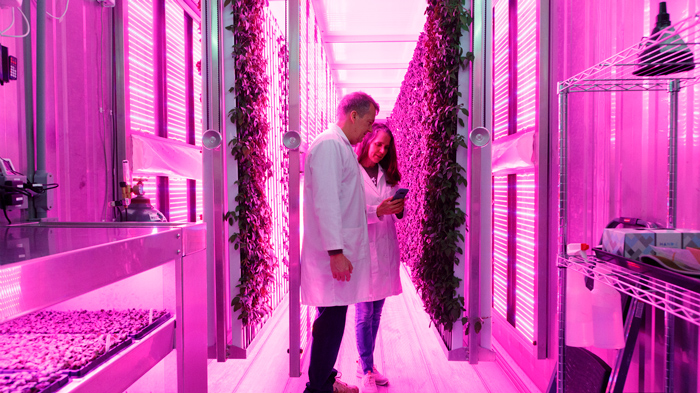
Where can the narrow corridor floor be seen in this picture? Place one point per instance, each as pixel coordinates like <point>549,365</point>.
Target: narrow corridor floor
<point>407,352</point>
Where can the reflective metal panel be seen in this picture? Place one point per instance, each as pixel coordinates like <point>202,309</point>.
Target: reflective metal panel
<point>194,239</point>
<point>191,342</point>
<point>294,220</point>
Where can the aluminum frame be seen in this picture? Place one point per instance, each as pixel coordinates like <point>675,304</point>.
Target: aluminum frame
<point>663,298</point>
<point>294,173</point>
<point>214,174</point>
<point>477,95</point>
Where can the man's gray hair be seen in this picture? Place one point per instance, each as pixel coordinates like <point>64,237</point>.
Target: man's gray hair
<point>359,102</point>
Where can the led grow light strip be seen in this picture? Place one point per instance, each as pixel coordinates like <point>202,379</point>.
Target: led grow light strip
<point>177,192</point>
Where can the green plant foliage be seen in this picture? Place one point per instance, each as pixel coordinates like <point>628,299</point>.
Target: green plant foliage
<point>253,214</point>
<point>425,120</point>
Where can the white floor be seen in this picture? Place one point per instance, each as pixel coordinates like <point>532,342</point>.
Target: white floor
<point>407,352</point>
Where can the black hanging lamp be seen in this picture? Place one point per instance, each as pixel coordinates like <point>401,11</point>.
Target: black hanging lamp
<point>669,56</point>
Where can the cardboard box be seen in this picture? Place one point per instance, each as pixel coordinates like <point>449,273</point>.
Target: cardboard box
<point>691,238</point>
<point>628,242</point>
<point>669,238</point>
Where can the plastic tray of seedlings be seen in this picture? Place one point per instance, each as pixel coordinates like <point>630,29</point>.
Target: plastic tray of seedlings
<point>151,326</point>
<point>31,381</point>
<point>92,364</point>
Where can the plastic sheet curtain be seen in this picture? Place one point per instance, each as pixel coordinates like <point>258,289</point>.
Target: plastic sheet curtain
<point>514,216</point>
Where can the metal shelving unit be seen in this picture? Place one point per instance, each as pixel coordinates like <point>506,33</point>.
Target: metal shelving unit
<point>44,264</point>
<point>672,49</point>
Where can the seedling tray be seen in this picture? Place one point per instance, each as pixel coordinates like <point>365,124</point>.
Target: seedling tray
<point>150,327</point>
<point>55,386</point>
<point>81,372</point>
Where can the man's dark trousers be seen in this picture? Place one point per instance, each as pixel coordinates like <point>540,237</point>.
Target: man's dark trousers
<point>327,334</point>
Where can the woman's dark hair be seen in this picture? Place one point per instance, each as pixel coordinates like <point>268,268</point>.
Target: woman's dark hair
<point>389,163</point>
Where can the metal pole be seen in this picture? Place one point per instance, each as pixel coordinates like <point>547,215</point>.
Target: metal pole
<point>41,175</point>
<point>563,157</point>
<point>294,220</point>
<point>214,170</point>
<point>563,168</point>
<point>29,103</point>
<point>673,89</point>
<point>670,322</point>
<point>479,145</point>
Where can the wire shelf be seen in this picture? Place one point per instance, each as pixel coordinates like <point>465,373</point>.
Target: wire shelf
<point>674,299</point>
<point>673,52</point>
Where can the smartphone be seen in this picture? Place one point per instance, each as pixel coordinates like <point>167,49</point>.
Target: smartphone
<point>400,194</point>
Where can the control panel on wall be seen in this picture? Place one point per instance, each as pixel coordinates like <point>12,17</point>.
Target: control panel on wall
<point>8,66</point>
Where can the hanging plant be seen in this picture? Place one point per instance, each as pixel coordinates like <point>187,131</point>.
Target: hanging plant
<point>253,214</point>
<point>427,140</point>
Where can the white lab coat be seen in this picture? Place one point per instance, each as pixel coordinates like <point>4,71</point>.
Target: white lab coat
<point>334,218</point>
<point>383,244</point>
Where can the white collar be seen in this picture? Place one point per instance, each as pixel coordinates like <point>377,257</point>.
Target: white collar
<point>334,127</point>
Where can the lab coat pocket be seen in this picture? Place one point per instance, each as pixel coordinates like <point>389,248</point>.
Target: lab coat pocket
<point>355,244</point>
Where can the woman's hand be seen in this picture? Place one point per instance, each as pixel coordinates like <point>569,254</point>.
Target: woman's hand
<point>390,207</point>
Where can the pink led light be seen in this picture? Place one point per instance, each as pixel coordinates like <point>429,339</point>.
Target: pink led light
<point>199,205</point>
<point>140,66</point>
<point>177,188</point>
<point>525,255</point>
<point>500,245</point>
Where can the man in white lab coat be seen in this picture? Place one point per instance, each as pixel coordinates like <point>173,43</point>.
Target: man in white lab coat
<point>335,246</point>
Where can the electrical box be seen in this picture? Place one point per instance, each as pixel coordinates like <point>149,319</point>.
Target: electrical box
<point>12,192</point>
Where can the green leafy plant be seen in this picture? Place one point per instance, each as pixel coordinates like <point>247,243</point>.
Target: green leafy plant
<point>253,214</point>
<point>425,119</point>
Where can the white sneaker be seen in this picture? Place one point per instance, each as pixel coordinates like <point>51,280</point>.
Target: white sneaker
<point>368,384</point>
<point>379,379</point>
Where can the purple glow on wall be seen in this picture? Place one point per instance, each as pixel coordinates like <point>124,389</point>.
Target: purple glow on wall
<point>525,251</point>
<point>500,244</point>
<point>140,66</point>
<point>175,74</point>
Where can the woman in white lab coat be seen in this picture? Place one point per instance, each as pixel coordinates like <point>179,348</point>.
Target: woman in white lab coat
<point>377,158</point>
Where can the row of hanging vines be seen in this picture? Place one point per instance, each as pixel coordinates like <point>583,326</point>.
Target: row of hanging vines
<point>252,213</point>
<point>425,120</point>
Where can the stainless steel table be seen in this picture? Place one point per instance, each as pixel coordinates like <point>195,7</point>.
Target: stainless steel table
<point>48,263</point>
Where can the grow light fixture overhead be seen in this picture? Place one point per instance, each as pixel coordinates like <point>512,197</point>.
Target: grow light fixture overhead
<point>366,50</point>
